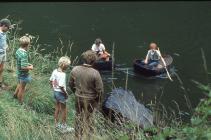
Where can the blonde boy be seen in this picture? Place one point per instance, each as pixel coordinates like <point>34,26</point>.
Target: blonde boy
<point>58,83</point>
<point>23,67</point>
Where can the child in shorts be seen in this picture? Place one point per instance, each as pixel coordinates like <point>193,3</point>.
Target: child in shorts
<point>23,67</point>
<point>58,83</point>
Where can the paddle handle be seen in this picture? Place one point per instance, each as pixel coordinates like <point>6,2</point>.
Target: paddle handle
<point>168,75</point>
<point>165,66</point>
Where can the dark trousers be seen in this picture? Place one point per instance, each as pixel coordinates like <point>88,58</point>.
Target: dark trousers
<point>84,111</point>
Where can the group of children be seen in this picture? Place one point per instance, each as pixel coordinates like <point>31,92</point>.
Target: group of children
<point>57,79</point>
<point>58,76</point>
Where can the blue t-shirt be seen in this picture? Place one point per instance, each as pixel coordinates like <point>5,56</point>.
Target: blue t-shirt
<point>3,42</point>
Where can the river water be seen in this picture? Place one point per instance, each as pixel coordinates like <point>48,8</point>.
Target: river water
<point>180,29</point>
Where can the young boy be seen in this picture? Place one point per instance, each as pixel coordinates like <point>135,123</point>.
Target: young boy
<point>153,55</point>
<point>99,48</point>
<point>5,25</point>
<point>23,67</point>
<point>58,83</point>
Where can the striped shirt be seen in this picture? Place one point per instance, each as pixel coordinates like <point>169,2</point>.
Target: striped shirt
<point>22,61</point>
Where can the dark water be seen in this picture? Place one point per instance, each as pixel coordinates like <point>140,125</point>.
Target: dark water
<point>179,28</point>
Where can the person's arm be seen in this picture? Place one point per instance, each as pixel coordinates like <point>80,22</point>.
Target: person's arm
<point>6,45</point>
<point>164,63</point>
<point>61,84</point>
<point>93,47</point>
<point>72,82</point>
<point>107,53</point>
<point>30,67</point>
<point>64,91</point>
<point>25,65</point>
<point>3,43</point>
<point>99,86</point>
<point>51,80</point>
<point>51,83</point>
<point>147,57</point>
<point>104,50</point>
<point>101,49</point>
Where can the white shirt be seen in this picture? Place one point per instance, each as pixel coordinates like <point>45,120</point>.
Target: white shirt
<point>59,80</point>
<point>101,48</point>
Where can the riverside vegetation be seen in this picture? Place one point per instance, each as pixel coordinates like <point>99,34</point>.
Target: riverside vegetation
<point>34,119</point>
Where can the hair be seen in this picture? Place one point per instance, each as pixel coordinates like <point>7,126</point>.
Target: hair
<point>64,61</point>
<point>98,41</point>
<point>24,41</point>
<point>5,22</point>
<point>153,43</point>
<point>89,57</point>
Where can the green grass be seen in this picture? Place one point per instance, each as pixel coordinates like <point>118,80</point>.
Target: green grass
<point>34,119</point>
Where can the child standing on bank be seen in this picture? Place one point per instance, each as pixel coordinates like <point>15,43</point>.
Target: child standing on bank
<point>23,67</point>
<point>58,83</point>
<point>5,25</point>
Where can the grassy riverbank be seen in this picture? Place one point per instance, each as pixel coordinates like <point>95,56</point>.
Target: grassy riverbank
<point>34,119</point>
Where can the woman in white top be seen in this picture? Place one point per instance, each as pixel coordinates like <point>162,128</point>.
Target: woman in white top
<point>99,48</point>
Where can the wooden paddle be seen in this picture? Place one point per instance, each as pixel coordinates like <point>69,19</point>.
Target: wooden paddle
<point>165,66</point>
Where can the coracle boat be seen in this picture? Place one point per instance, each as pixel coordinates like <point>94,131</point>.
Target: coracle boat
<point>146,70</point>
<point>103,65</point>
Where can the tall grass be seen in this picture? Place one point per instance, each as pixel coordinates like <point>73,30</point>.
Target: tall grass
<point>113,62</point>
<point>34,119</point>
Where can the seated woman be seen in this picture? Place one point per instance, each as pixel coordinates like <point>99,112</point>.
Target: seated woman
<point>99,48</point>
<point>153,56</point>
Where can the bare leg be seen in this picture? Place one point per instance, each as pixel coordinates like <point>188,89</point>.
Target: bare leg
<point>16,91</point>
<point>21,92</point>
<point>1,73</point>
<point>64,113</point>
<point>56,114</point>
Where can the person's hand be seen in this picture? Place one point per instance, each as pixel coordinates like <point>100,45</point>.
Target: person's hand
<point>66,96</point>
<point>145,61</point>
